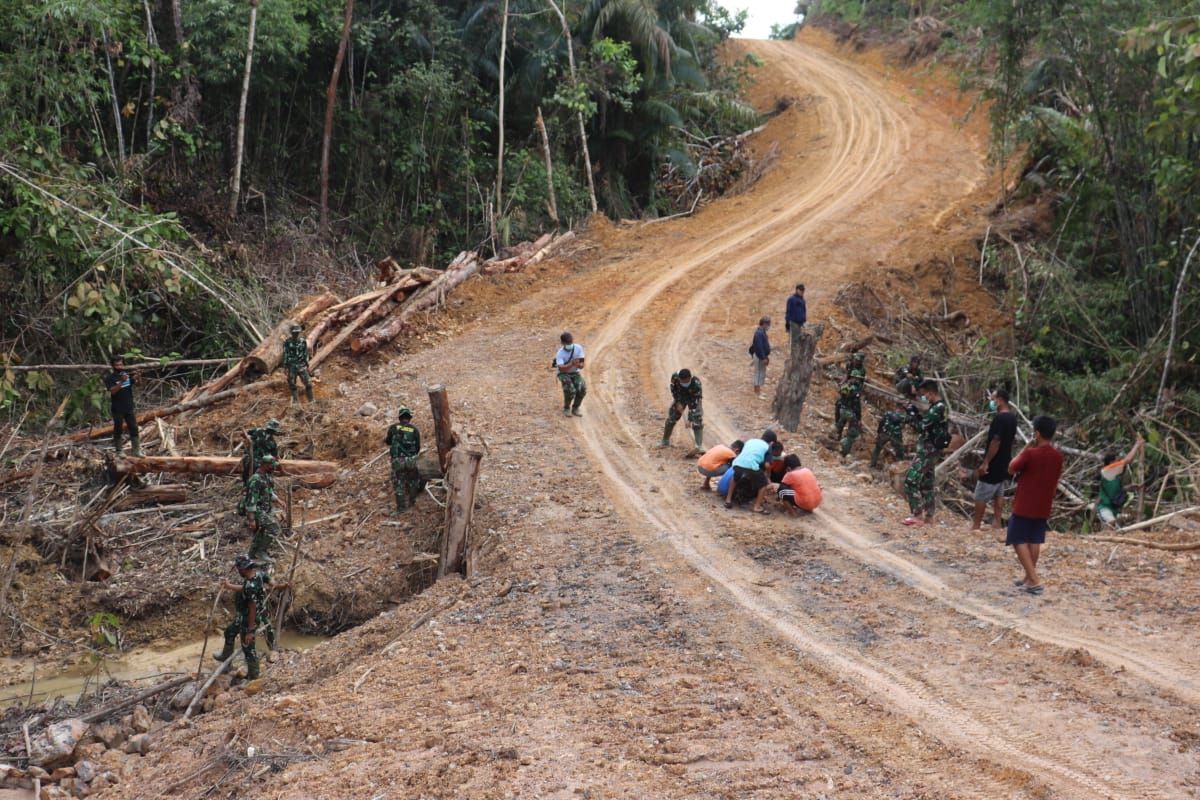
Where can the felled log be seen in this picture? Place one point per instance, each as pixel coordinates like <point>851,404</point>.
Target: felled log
<point>550,248</point>
<point>310,310</point>
<point>322,473</point>
<point>346,332</point>
<point>463,267</point>
<point>403,279</point>
<point>266,357</point>
<point>163,494</point>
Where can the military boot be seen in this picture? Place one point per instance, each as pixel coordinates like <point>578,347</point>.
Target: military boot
<point>117,443</point>
<point>135,446</point>
<point>698,433</point>
<point>226,651</point>
<point>251,661</point>
<point>666,440</point>
<point>295,395</point>
<point>308,393</point>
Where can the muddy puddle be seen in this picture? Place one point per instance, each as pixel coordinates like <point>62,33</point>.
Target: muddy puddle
<point>138,665</point>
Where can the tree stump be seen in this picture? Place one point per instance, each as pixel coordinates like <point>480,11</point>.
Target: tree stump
<point>460,505</point>
<point>792,388</point>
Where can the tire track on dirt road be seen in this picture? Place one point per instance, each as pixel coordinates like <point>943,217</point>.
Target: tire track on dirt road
<point>869,136</point>
<point>1165,674</point>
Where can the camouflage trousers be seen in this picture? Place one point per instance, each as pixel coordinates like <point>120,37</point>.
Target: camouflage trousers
<point>848,420</point>
<point>406,482</point>
<point>574,389</point>
<point>265,536</point>
<point>695,417</point>
<point>882,440</point>
<point>249,651</point>
<point>302,373</point>
<point>919,483</point>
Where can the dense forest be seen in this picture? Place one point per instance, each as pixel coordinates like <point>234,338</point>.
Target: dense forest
<point>1094,107</point>
<point>173,172</point>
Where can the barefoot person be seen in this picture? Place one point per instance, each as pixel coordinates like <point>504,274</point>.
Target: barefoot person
<point>933,438</point>
<point>1112,495</point>
<point>716,462</point>
<point>993,472</point>
<point>1037,470</point>
<point>749,477</point>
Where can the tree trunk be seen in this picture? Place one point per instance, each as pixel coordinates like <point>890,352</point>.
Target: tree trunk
<point>162,494</point>
<point>269,353</point>
<point>500,141</point>
<point>463,267</point>
<point>443,432</point>
<point>1162,386</point>
<point>116,103</point>
<point>152,41</point>
<point>325,351</point>
<point>460,506</point>
<point>185,94</point>
<point>792,389</point>
<point>220,465</point>
<point>330,103</point>
<point>583,140</point>
<point>551,202</point>
<point>235,185</point>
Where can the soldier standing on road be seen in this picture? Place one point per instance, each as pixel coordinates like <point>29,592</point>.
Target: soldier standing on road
<point>120,390</point>
<point>295,361</point>
<point>260,499</point>
<point>685,393</point>
<point>404,443</point>
<point>933,438</point>
<point>891,431</point>
<point>796,316</point>
<point>250,612</point>
<point>569,363</point>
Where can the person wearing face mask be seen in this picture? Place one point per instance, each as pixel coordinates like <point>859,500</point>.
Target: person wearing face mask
<point>992,474</point>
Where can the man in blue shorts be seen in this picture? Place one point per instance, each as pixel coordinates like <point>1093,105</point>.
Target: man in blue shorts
<point>1037,470</point>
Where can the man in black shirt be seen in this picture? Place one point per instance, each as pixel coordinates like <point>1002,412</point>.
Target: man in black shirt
<point>993,472</point>
<point>120,389</point>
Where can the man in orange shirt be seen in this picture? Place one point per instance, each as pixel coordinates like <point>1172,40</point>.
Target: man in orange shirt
<point>715,462</point>
<point>798,490</point>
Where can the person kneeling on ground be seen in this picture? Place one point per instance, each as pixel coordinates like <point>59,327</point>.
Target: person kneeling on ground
<point>715,462</point>
<point>1111,494</point>
<point>749,479</point>
<point>798,490</point>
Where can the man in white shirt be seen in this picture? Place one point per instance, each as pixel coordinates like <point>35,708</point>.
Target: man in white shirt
<point>569,363</point>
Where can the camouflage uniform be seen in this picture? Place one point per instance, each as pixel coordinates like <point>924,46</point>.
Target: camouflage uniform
<point>295,361</point>
<point>890,431</point>
<point>692,397</point>
<point>262,443</point>
<point>404,443</point>
<point>919,482</point>
<point>848,412</point>
<point>854,367</point>
<point>254,590</point>
<point>908,378</point>
<point>259,504</point>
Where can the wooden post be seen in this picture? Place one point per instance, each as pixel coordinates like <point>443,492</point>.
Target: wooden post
<point>439,405</point>
<point>460,504</point>
<point>792,389</point>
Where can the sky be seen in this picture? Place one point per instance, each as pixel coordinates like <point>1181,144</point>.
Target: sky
<point>763,13</point>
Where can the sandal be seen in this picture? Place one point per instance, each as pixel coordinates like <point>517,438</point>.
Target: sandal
<point>1035,590</point>
<point>728,504</point>
<point>1019,582</point>
<point>913,521</point>
<point>762,511</point>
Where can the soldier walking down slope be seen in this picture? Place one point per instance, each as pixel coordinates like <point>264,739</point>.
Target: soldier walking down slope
<point>933,438</point>
<point>685,393</point>
<point>908,378</point>
<point>295,361</point>
<point>404,444</point>
<point>250,612</point>
<point>120,390</point>
<point>262,443</point>
<point>569,363</point>
<point>259,504</point>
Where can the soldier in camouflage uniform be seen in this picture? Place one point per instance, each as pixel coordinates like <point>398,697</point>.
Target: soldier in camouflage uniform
<point>262,443</point>
<point>848,413</point>
<point>856,366</point>
<point>404,443</point>
<point>685,393</point>
<point>250,612</point>
<point>295,361</point>
<point>932,439</point>
<point>259,505</point>
<point>891,431</point>
<point>908,378</point>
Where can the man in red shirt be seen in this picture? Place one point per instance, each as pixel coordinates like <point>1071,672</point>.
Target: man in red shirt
<point>1037,470</point>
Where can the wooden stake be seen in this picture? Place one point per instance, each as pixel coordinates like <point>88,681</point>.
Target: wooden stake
<point>792,389</point>
<point>212,612</point>
<point>443,433</point>
<point>460,505</point>
<point>224,665</point>
<point>286,598</point>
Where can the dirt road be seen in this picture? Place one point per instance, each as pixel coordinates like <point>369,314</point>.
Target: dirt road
<point>632,638</point>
